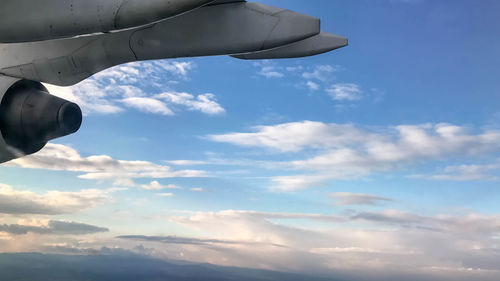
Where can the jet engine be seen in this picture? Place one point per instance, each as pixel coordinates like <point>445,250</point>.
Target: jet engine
<point>30,117</point>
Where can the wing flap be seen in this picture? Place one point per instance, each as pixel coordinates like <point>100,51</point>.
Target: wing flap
<point>319,44</point>
<point>218,2</point>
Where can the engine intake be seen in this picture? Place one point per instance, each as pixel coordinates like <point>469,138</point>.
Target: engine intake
<point>30,117</point>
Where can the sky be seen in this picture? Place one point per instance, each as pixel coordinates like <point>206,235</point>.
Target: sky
<point>380,159</point>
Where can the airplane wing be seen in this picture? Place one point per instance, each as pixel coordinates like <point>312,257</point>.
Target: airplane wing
<point>82,41</point>
<point>218,2</point>
<point>37,20</point>
<point>251,30</point>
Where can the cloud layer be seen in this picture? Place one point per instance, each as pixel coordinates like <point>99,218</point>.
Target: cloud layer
<point>14,202</point>
<point>53,228</point>
<point>130,86</point>
<point>452,247</point>
<point>344,151</point>
<point>58,157</point>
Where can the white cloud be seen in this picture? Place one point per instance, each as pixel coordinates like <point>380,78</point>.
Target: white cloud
<point>297,182</point>
<point>17,202</point>
<point>165,194</point>
<point>181,69</point>
<point>294,68</point>
<point>296,136</point>
<point>313,86</point>
<point>101,93</point>
<point>345,92</point>
<point>102,167</point>
<point>153,70</point>
<point>186,162</point>
<point>321,72</point>
<point>148,105</point>
<point>89,96</point>
<point>205,103</point>
<point>269,72</point>
<point>269,69</point>
<point>198,189</point>
<point>314,79</point>
<point>345,152</point>
<point>155,185</point>
<point>465,173</point>
<point>110,91</point>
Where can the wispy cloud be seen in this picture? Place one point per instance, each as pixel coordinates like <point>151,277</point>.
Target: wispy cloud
<point>316,78</point>
<point>198,189</point>
<point>149,105</point>
<point>464,173</point>
<point>99,167</point>
<point>345,151</point>
<point>345,92</point>
<point>53,228</point>
<point>269,69</point>
<point>136,85</point>
<point>165,194</point>
<point>155,185</point>
<point>297,182</point>
<point>205,103</point>
<point>346,199</point>
<point>321,73</point>
<point>296,136</point>
<point>313,86</point>
<point>16,202</point>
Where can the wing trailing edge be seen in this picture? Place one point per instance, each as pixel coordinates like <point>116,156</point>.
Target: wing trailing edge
<point>319,44</point>
<point>219,2</point>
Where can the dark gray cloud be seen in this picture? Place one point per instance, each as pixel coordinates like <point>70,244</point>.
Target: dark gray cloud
<point>400,218</point>
<point>186,240</point>
<point>175,240</point>
<point>139,250</point>
<point>345,199</point>
<point>18,206</point>
<point>53,228</point>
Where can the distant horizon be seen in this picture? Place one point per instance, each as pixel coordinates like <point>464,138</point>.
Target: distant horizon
<point>77,261</point>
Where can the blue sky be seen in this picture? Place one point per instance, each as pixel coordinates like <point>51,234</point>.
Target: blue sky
<point>385,152</point>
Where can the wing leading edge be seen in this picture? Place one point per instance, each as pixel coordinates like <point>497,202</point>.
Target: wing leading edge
<point>245,30</point>
<point>37,20</point>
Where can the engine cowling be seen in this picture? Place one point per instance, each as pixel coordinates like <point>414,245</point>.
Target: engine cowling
<point>30,117</point>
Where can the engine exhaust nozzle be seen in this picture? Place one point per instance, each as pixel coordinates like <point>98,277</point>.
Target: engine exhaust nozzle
<point>30,116</point>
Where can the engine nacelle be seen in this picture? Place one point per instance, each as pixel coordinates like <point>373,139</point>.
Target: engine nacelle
<point>30,117</point>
